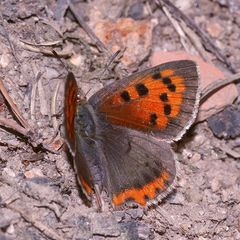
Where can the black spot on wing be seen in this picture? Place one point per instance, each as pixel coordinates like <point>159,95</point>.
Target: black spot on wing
<point>167,80</point>
<point>125,96</point>
<point>167,109</point>
<point>153,119</point>
<point>142,90</point>
<point>156,75</point>
<point>163,97</point>
<point>171,87</point>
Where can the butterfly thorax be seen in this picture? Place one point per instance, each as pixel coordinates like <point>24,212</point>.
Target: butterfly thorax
<point>84,122</point>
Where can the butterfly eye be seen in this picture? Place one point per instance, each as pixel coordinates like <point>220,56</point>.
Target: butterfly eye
<point>78,98</point>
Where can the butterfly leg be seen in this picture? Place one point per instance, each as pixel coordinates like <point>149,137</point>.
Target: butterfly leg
<point>99,200</point>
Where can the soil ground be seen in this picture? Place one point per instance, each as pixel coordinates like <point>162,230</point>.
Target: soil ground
<point>39,194</point>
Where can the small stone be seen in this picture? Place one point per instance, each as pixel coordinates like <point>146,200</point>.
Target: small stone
<point>135,212</point>
<point>185,226</point>
<point>215,185</point>
<point>194,195</point>
<point>225,124</point>
<point>214,29</point>
<point>184,5</point>
<point>160,228</point>
<point>182,182</point>
<point>35,172</point>
<point>178,198</point>
<point>4,60</point>
<point>10,229</point>
<point>77,60</point>
<point>8,172</point>
<point>187,153</point>
<point>199,140</point>
<point>105,225</point>
<point>201,213</point>
<point>223,3</point>
<point>196,157</point>
<point>136,11</point>
<point>133,36</point>
<point>202,238</point>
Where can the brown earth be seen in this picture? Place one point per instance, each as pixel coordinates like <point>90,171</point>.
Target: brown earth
<point>39,195</point>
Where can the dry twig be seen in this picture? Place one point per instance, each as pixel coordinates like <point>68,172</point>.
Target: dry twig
<point>26,130</point>
<point>43,43</point>
<point>205,39</point>
<point>8,123</point>
<point>8,39</point>
<point>13,106</point>
<point>42,98</point>
<point>64,53</point>
<point>53,106</point>
<point>79,17</point>
<point>213,87</point>
<point>46,230</point>
<point>176,25</point>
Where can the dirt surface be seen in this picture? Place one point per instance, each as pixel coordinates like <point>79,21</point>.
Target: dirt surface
<point>39,194</point>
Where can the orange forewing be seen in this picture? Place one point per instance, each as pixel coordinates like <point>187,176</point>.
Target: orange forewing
<point>149,106</point>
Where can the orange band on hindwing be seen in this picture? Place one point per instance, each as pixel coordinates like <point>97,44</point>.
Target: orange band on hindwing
<point>85,185</point>
<point>139,195</point>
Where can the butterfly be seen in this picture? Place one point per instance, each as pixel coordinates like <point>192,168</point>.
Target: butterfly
<point>121,137</point>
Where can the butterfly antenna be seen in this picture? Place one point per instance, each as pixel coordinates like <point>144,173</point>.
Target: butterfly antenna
<point>60,60</point>
<point>85,94</point>
<point>118,54</point>
<point>113,57</point>
<point>99,200</point>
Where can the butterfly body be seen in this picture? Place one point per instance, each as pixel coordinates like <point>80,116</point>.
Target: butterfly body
<point>87,148</point>
<point>120,137</point>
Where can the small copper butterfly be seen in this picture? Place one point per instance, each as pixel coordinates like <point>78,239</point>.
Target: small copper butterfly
<point>120,138</point>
